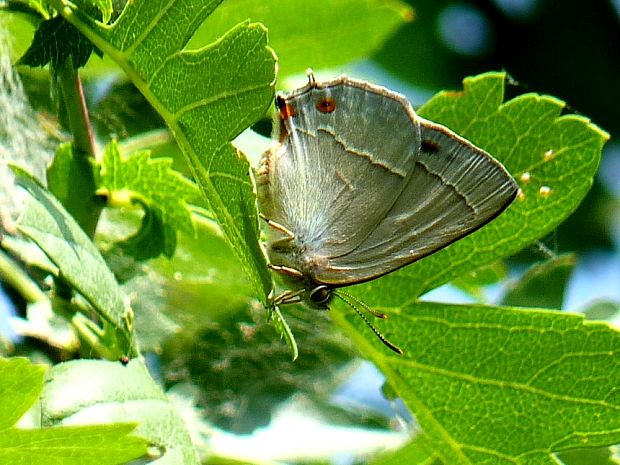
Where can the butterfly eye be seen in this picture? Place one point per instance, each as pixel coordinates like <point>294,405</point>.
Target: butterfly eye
<point>326,105</point>
<point>320,294</point>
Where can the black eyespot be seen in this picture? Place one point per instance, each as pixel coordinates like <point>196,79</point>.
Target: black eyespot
<point>287,110</point>
<point>320,294</point>
<point>430,146</point>
<point>280,101</point>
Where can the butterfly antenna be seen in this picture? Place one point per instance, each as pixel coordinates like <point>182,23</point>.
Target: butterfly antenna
<point>347,299</point>
<point>372,311</point>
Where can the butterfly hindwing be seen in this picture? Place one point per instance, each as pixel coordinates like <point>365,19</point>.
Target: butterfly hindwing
<point>454,189</point>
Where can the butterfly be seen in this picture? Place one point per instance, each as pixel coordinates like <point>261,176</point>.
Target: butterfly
<point>357,185</point>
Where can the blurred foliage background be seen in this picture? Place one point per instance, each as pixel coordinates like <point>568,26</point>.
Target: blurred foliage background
<point>216,347</point>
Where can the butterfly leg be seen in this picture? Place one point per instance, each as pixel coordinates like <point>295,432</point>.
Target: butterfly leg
<point>285,270</point>
<point>283,242</point>
<point>287,297</point>
<point>278,227</point>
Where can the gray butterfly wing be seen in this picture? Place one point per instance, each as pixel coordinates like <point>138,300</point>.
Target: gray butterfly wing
<point>347,150</point>
<point>454,189</point>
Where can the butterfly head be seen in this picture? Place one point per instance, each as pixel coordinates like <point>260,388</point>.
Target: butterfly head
<point>319,296</point>
<point>303,290</point>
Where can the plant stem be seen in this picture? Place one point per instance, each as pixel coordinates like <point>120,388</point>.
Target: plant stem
<point>80,199</point>
<point>75,105</point>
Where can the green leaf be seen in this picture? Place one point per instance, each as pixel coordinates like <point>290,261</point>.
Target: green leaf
<point>86,391</point>
<point>153,324</point>
<point>20,386</point>
<point>323,34</point>
<point>46,222</point>
<point>154,238</point>
<point>543,285</point>
<point>55,40</point>
<point>66,179</point>
<point>501,385</point>
<point>600,456</point>
<point>284,331</point>
<point>61,174</point>
<point>28,253</point>
<point>216,460</point>
<point>103,7</point>
<point>553,157</point>
<point>86,445</point>
<point>418,451</point>
<point>602,310</point>
<point>206,96</point>
<point>163,192</point>
<point>202,282</point>
<point>474,281</point>
<point>37,8</point>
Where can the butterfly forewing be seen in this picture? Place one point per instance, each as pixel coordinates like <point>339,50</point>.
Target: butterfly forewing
<point>336,174</point>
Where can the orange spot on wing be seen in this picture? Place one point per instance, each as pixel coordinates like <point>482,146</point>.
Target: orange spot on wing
<point>286,109</point>
<point>326,105</point>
